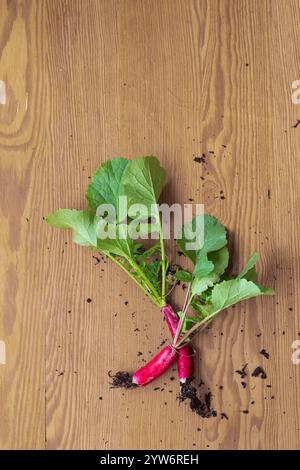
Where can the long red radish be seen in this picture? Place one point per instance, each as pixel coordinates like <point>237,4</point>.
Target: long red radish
<point>156,367</point>
<point>158,364</point>
<point>151,371</point>
<point>162,361</point>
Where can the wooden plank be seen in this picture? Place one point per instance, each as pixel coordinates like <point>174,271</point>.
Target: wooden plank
<point>22,129</point>
<point>177,79</point>
<point>174,78</point>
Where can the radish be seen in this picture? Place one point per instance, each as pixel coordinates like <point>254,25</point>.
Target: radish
<point>162,361</point>
<point>185,354</point>
<point>146,374</point>
<point>185,363</point>
<point>210,290</point>
<point>156,367</point>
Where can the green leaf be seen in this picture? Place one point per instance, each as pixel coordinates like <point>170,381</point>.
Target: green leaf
<point>203,266</point>
<point>200,285</point>
<point>138,249</point>
<point>152,251</point>
<point>224,295</point>
<point>214,238</point>
<point>106,183</point>
<point>142,182</point>
<point>184,276</point>
<point>122,245</point>
<point>266,290</point>
<point>82,223</point>
<point>201,309</point>
<point>152,271</point>
<point>249,271</point>
<point>230,292</point>
<point>220,259</point>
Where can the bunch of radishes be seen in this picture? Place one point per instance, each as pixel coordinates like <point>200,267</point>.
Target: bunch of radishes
<point>107,227</point>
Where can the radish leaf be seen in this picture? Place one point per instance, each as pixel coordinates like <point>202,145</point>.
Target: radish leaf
<point>200,284</point>
<point>184,276</point>
<point>223,295</point>
<point>122,245</point>
<point>142,182</point>
<point>230,292</point>
<point>82,223</point>
<point>153,251</point>
<point>152,271</point>
<point>214,238</point>
<point>220,259</point>
<point>104,187</point>
<point>249,271</point>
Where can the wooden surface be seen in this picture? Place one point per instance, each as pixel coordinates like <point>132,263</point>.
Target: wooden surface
<point>89,80</point>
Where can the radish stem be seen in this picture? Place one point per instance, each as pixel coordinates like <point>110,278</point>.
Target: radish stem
<point>185,307</point>
<point>180,343</point>
<point>163,261</point>
<point>147,292</point>
<point>148,283</point>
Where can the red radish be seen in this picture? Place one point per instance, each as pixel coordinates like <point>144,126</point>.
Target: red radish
<point>156,367</point>
<point>162,361</point>
<point>185,356</point>
<point>185,363</point>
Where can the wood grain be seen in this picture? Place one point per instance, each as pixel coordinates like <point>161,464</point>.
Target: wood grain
<point>86,81</point>
<point>22,142</point>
